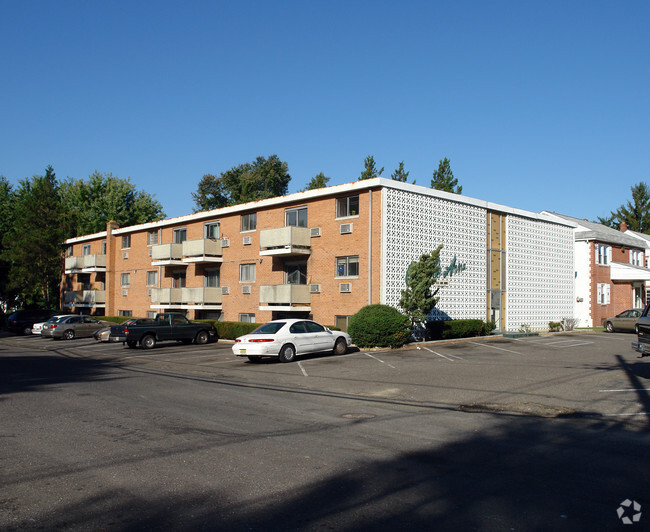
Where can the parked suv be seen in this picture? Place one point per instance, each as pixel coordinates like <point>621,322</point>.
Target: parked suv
<point>22,321</point>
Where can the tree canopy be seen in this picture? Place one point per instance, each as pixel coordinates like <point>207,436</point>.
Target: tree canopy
<point>370,169</point>
<point>90,204</point>
<point>6,224</point>
<point>635,213</point>
<point>400,174</point>
<point>443,178</point>
<point>318,181</point>
<point>419,297</point>
<point>262,179</point>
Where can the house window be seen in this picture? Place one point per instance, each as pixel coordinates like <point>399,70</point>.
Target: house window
<point>103,247</point>
<point>152,238</point>
<point>636,257</point>
<point>249,222</point>
<point>603,254</point>
<point>178,280</point>
<point>348,206</point>
<point>126,241</point>
<point>125,313</point>
<point>85,250</point>
<point>296,217</point>
<point>125,280</point>
<point>213,230</point>
<point>152,278</point>
<point>180,235</point>
<point>211,278</point>
<point>602,294</point>
<point>247,272</point>
<point>247,318</point>
<point>347,266</point>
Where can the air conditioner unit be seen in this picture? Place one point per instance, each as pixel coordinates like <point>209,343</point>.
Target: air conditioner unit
<point>125,255</point>
<point>246,289</point>
<point>314,289</point>
<point>225,242</point>
<point>346,229</point>
<point>225,290</point>
<point>345,287</point>
<point>247,240</point>
<point>314,231</point>
<point>125,292</point>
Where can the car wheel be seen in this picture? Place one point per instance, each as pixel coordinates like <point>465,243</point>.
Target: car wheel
<point>68,335</point>
<point>27,330</point>
<point>131,344</point>
<point>254,358</point>
<point>148,342</point>
<point>287,353</point>
<point>202,337</point>
<point>609,327</point>
<point>340,347</point>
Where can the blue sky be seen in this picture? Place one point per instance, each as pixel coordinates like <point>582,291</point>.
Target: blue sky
<point>540,105</point>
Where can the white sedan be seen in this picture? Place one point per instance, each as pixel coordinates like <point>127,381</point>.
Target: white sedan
<point>286,339</point>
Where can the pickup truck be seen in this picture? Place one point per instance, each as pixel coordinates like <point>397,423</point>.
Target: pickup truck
<point>164,327</point>
<point>642,344</point>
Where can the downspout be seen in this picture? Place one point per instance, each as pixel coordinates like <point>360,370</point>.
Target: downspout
<point>370,247</point>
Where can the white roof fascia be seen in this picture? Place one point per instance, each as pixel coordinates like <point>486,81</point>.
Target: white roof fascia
<point>84,238</point>
<point>620,271</point>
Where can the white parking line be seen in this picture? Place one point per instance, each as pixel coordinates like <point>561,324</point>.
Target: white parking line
<point>439,354</point>
<point>499,348</point>
<point>627,414</point>
<point>302,369</point>
<point>626,390</point>
<point>379,360</point>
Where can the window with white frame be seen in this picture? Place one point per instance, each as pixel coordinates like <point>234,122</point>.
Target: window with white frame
<point>126,241</point>
<point>180,235</point>
<point>85,250</point>
<point>125,280</point>
<point>347,266</point>
<point>152,238</point>
<point>125,313</point>
<point>636,257</point>
<point>152,278</point>
<point>247,272</point>
<point>348,206</point>
<point>249,222</point>
<point>296,217</point>
<point>602,293</point>
<point>213,230</point>
<point>603,254</point>
<point>151,314</point>
<point>247,318</point>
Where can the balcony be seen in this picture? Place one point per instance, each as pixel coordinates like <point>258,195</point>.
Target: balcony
<point>85,264</point>
<point>196,298</point>
<point>201,296</point>
<point>288,240</point>
<point>166,296</point>
<point>167,254</point>
<point>84,298</point>
<point>285,297</point>
<point>202,250</point>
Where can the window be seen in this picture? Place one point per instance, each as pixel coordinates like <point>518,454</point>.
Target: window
<point>296,217</point>
<point>295,273</point>
<point>249,222</point>
<point>85,250</point>
<point>152,238</point>
<point>247,318</point>
<point>103,247</point>
<point>126,241</point>
<point>152,278</point>
<point>212,230</point>
<point>247,272</point>
<point>602,294</point>
<point>84,280</point>
<point>125,279</point>
<point>178,280</point>
<point>151,314</point>
<point>125,313</point>
<point>603,254</point>
<point>348,206</point>
<point>347,266</point>
<point>69,251</point>
<point>180,235</point>
<point>211,278</point>
<point>636,257</point>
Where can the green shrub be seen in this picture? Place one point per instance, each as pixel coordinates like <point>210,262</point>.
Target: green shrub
<point>114,319</point>
<point>555,326</point>
<point>379,326</point>
<point>446,329</point>
<point>229,330</point>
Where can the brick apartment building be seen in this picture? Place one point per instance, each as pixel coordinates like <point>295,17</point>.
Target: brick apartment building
<point>325,254</point>
<point>611,273</point>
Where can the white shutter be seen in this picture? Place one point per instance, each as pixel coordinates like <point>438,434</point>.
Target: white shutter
<point>607,291</point>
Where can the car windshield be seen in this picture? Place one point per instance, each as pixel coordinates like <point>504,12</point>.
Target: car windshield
<point>269,328</point>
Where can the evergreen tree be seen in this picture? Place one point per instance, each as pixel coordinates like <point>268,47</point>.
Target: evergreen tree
<point>400,175</point>
<point>370,169</point>
<point>33,245</point>
<point>318,181</point>
<point>443,178</point>
<point>6,224</point>
<point>635,213</point>
<point>418,299</point>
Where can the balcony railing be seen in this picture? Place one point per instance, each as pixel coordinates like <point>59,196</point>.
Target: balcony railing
<point>203,249</point>
<point>166,296</point>
<point>85,297</point>
<point>86,262</point>
<point>167,252</point>
<point>288,240</point>
<point>202,295</point>
<point>285,295</point>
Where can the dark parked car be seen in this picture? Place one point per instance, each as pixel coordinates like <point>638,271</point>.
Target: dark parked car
<point>625,321</point>
<point>22,321</point>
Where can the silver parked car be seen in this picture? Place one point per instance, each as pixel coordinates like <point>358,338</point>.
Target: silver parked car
<point>625,321</point>
<point>38,327</point>
<point>73,327</point>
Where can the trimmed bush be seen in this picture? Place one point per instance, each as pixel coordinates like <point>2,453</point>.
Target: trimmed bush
<point>379,326</point>
<point>446,329</point>
<point>229,330</point>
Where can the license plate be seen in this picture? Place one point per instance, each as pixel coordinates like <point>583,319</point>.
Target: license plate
<point>242,351</point>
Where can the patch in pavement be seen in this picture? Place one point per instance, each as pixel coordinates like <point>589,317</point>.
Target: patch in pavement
<point>518,408</point>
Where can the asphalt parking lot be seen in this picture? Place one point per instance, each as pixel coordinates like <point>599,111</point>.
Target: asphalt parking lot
<point>560,375</point>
